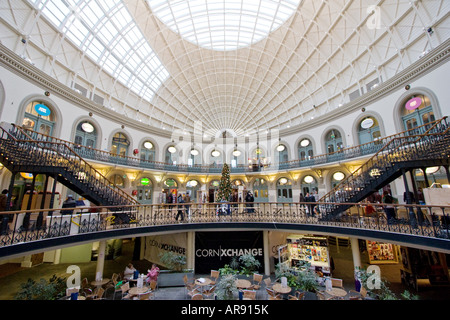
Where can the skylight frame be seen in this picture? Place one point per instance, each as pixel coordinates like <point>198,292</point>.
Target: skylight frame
<point>223,25</point>
<point>107,33</point>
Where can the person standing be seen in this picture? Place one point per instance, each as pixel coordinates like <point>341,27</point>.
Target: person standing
<point>69,203</point>
<point>389,209</point>
<point>249,199</point>
<point>152,274</point>
<point>180,208</point>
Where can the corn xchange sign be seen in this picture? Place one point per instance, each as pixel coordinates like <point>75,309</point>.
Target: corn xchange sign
<point>215,249</point>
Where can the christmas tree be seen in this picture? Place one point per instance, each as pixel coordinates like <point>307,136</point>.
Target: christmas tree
<point>225,189</point>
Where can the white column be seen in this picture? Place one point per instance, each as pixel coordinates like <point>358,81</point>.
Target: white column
<point>190,250</point>
<point>355,253</point>
<point>100,260</point>
<point>266,253</point>
<point>356,261</point>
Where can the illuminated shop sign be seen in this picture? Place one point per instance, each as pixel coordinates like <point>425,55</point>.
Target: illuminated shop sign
<point>42,110</point>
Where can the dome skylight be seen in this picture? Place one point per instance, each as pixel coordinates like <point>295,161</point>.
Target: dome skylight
<point>223,25</point>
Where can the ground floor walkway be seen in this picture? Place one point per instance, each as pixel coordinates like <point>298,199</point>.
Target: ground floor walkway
<point>12,275</point>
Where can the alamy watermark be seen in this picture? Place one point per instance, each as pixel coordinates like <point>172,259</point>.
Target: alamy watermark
<point>374,19</point>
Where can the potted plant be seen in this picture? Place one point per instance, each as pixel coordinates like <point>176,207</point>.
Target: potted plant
<point>174,276</point>
<point>226,288</point>
<point>249,264</point>
<point>53,289</point>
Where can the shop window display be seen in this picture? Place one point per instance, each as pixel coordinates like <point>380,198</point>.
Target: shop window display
<point>306,248</point>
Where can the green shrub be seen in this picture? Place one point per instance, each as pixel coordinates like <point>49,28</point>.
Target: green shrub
<point>53,289</point>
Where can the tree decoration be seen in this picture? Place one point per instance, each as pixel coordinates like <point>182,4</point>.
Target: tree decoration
<point>225,188</point>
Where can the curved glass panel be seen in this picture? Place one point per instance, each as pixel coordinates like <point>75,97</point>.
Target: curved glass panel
<point>223,25</point>
<point>107,33</point>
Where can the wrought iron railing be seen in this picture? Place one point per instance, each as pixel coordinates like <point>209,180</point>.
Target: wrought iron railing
<point>29,155</point>
<point>399,152</point>
<point>341,155</point>
<point>434,221</point>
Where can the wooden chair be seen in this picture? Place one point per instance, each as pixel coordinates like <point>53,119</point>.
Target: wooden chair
<point>297,296</point>
<point>249,295</point>
<point>322,295</point>
<point>189,285</point>
<point>97,294</point>
<point>272,295</point>
<point>337,283</point>
<point>268,283</point>
<point>145,296</point>
<point>100,294</point>
<point>191,288</point>
<point>209,293</point>
<point>355,295</point>
<point>197,296</point>
<point>257,278</point>
<point>125,288</point>
<point>152,292</point>
<point>85,287</point>
<point>214,276</point>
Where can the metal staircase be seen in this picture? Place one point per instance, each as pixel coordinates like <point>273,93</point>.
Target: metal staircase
<point>400,154</point>
<point>19,152</point>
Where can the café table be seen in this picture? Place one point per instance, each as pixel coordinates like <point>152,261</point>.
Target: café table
<point>99,283</point>
<point>135,291</point>
<point>243,284</point>
<point>279,288</point>
<point>202,282</point>
<point>336,292</point>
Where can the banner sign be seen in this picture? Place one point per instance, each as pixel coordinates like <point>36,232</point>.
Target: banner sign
<point>156,245</point>
<point>213,250</point>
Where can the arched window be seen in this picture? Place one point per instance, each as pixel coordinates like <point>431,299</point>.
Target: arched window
<point>213,189</point>
<point>261,190</point>
<point>368,130</point>
<point>215,157</point>
<point>305,149</point>
<point>148,151</point>
<point>192,188</point>
<point>39,117</point>
<point>170,191</point>
<point>282,153</point>
<point>145,190</point>
<point>85,135</point>
<point>309,185</point>
<point>284,190</point>
<point>237,158</point>
<point>171,155</point>
<point>333,141</point>
<point>336,178</point>
<point>117,180</point>
<point>120,144</point>
<point>195,157</point>
<point>417,111</point>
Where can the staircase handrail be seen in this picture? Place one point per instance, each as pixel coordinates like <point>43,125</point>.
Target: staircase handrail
<point>54,146</point>
<point>382,150</point>
<point>202,168</point>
